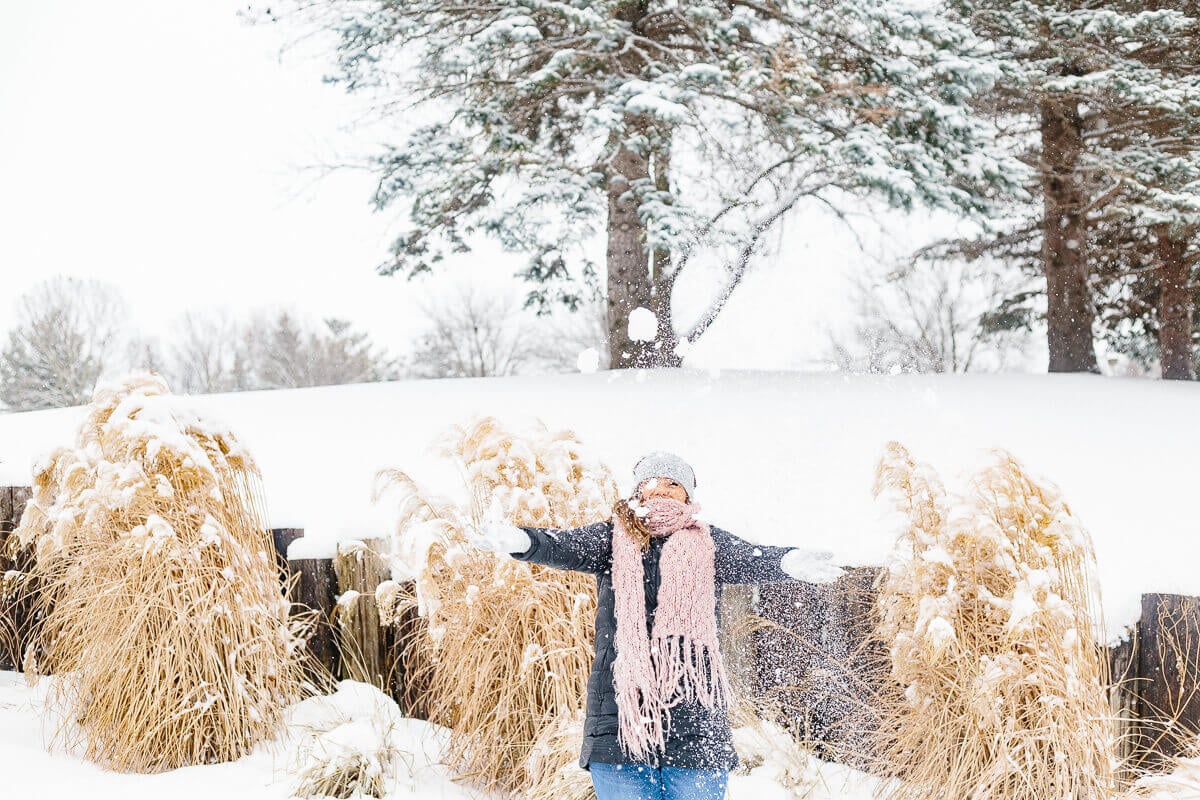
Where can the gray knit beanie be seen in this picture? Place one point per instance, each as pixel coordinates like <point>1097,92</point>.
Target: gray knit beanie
<point>660,464</point>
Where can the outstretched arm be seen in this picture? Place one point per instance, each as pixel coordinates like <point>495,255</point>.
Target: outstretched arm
<point>586,549</point>
<point>739,561</point>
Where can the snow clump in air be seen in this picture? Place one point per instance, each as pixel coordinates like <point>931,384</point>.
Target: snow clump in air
<point>643,325</point>
<point>588,360</point>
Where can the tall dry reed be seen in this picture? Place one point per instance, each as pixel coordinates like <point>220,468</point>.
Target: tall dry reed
<point>552,768</point>
<point>1180,779</point>
<point>15,602</point>
<point>503,648</point>
<point>162,615</point>
<point>993,620</point>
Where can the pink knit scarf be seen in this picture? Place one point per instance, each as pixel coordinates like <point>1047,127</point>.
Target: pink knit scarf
<point>681,659</point>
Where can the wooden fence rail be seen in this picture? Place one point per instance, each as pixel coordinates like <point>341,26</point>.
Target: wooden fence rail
<point>817,659</point>
<point>807,647</point>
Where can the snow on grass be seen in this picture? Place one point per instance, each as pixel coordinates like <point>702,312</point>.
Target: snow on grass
<point>779,768</point>
<point>348,743</point>
<point>782,457</point>
<point>355,719</point>
<point>1181,783</point>
<point>30,770</point>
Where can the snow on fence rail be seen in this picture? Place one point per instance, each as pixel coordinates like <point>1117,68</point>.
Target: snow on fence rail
<point>807,647</point>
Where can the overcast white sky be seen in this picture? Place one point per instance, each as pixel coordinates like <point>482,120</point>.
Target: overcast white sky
<point>166,147</point>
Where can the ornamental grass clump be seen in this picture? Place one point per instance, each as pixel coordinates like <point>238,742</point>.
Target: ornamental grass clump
<point>992,617</point>
<point>161,611</point>
<point>552,768</point>
<point>1180,781</point>
<point>503,648</point>
<point>346,743</point>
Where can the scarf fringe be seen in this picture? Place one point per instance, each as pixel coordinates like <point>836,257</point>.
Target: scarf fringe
<point>685,670</point>
<point>689,670</point>
<point>641,736</point>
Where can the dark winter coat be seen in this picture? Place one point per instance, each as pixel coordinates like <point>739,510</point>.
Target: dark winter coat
<point>698,737</point>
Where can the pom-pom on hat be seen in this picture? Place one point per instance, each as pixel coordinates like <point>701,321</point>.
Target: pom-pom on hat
<point>660,464</point>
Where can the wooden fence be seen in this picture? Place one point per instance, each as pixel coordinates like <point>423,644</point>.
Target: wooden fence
<point>12,612</point>
<point>807,647</point>
<point>1156,680</point>
<point>814,657</point>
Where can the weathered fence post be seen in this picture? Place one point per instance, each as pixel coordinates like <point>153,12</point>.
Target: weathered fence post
<point>281,538</point>
<point>360,568</point>
<point>13,606</point>
<point>737,637</point>
<point>818,661</point>
<point>316,589</point>
<point>1123,699</point>
<point>12,505</point>
<point>1155,688</point>
<point>410,673</point>
<point>1168,677</point>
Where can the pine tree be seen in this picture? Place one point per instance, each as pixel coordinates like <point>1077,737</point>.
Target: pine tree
<point>68,334</point>
<point>283,352</point>
<point>680,132</point>
<point>1092,82</point>
<point>1151,140</point>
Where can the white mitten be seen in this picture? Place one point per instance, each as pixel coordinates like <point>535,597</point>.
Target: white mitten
<point>813,567</point>
<point>500,537</point>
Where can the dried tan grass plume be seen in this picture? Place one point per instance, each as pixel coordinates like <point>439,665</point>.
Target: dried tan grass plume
<point>994,627</point>
<point>504,648</point>
<point>163,618</point>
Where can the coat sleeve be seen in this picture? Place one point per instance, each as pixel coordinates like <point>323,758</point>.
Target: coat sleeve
<point>586,549</point>
<point>739,561</point>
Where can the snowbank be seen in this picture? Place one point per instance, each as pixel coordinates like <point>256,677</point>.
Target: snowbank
<point>350,717</point>
<point>30,770</point>
<point>780,457</point>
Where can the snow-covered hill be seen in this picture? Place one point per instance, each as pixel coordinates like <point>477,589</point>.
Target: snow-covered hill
<point>780,457</point>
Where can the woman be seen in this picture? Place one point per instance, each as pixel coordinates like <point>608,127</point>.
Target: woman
<point>656,726</point>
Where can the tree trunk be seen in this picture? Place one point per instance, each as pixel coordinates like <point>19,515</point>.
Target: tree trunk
<point>662,280</point>
<point>628,262</point>
<point>631,283</point>
<point>1175,307</point>
<point>1069,310</point>
<point>664,346</point>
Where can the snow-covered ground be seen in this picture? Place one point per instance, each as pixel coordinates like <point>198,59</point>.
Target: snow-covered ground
<point>780,457</point>
<point>783,458</point>
<point>32,767</point>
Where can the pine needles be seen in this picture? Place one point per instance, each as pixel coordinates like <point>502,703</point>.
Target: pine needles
<point>992,621</point>
<point>161,611</point>
<point>504,649</point>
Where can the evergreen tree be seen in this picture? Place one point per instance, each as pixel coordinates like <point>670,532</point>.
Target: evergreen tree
<point>1151,140</point>
<point>68,334</point>
<point>1093,82</point>
<point>675,130</point>
<point>284,352</point>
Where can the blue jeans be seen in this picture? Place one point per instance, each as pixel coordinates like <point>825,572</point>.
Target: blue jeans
<point>641,782</point>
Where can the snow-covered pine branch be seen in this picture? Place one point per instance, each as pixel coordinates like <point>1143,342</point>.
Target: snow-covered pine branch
<point>548,124</point>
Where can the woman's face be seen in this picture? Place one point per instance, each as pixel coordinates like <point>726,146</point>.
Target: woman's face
<point>662,487</point>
